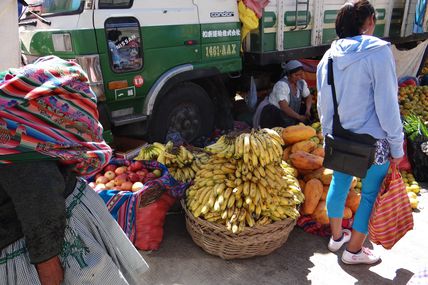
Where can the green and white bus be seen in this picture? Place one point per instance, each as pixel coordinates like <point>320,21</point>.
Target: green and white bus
<point>174,65</point>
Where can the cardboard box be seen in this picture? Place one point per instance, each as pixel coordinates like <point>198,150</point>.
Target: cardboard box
<point>127,148</point>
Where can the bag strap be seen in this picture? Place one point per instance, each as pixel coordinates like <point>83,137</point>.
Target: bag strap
<point>330,81</point>
<point>395,173</point>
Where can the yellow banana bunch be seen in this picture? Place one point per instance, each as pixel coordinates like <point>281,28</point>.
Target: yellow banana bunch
<point>184,174</point>
<point>218,146</point>
<point>176,156</point>
<point>288,169</point>
<point>273,135</point>
<point>181,162</point>
<point>224,147</point>
<point>259,147</point>
<point>201,158</point>
<point>151,151</point>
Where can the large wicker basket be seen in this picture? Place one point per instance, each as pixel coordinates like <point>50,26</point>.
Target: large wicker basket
<point>217,240</point>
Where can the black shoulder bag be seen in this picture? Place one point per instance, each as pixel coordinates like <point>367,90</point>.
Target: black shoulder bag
<point>346,151</point>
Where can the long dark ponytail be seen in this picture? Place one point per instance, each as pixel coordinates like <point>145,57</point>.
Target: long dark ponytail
<point>351,18</point>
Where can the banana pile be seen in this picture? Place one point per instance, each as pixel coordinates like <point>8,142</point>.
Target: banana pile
<point>201,158</point>
<point>224,147</point>
<point>187,172</point>
<point>175,156</point>
<point>151,151</point>
<point>245,183</point>
<point>258,148</point>
<point>179,162</point>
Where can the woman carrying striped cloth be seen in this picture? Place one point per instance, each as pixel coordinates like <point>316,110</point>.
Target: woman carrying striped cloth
<point>54,229</point>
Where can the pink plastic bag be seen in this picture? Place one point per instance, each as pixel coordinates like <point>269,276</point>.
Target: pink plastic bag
<point>257,6</point>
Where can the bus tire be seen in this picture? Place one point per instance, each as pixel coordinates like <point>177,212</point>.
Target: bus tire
<point>186,109</point>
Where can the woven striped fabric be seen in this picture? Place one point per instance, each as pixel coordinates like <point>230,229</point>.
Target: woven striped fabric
<point>123,205</point>
<point>48,111</point>
<point>95,250</point>
<point>392,214</point>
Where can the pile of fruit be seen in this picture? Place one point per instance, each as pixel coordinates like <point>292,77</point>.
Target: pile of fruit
<point>181,162</point>
<point>304,151</point>
<point>150,151</point>
<point>245,183</point>
<point>412,187</point>
<point>358,185</point>
<point>414,100</point>
<point>129,177</point>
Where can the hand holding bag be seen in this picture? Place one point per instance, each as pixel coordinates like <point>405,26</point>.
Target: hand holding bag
<point>346,151</point>
<point>392,214</point>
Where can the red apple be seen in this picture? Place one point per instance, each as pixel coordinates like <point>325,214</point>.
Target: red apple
<point>120,179</point>
<point>102,180</point>
<point>136,165</point>
<point>126,186</point>
<point>137,186</point>
<point>134,177</point>
<point>142,174</point>
<point>120,170</point>
<point>110,175</point>
<point>110,185</point>
<point>157,172</point>
<point>98,175</point>
<point>110,167</point>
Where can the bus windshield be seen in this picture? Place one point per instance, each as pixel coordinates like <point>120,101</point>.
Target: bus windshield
<point>49,7</point>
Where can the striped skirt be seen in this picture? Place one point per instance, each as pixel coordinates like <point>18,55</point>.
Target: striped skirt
<point>95,249</point>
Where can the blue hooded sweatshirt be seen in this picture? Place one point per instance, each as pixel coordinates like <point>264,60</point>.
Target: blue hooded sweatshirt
<point>366,89</point>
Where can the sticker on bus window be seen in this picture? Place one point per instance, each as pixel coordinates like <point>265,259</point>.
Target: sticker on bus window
<point>124,44</point>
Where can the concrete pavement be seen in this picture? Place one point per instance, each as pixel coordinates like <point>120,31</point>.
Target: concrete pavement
<point>303,259</point>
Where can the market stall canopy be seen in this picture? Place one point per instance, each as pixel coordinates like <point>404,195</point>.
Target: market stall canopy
<point>409,61</point>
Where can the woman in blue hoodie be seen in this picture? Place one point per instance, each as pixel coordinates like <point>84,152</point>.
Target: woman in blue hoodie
<point>366,87</point>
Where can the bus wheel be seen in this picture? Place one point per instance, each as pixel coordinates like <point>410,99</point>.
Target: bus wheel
<point>186,109</point>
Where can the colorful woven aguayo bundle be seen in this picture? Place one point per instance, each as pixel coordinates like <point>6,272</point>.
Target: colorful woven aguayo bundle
<point>48,111</point>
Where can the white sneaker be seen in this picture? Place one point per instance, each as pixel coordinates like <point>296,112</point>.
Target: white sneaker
<point>365,256</point>
<point>336,245</point>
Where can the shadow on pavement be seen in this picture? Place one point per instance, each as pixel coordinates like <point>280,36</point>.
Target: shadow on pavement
<point>365,276</point>
<point>181,261</point>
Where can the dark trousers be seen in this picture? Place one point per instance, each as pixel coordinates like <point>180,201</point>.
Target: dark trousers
<point>272,117</point>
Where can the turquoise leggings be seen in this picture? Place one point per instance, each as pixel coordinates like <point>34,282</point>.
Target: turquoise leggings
<point>339,189</point>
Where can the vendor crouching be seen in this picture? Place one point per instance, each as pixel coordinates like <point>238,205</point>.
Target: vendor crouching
<point>283,107</point>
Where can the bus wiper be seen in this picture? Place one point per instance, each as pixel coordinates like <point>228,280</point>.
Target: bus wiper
<point>30,23</point>
<point>40,18</point>
<point>27,10</point>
